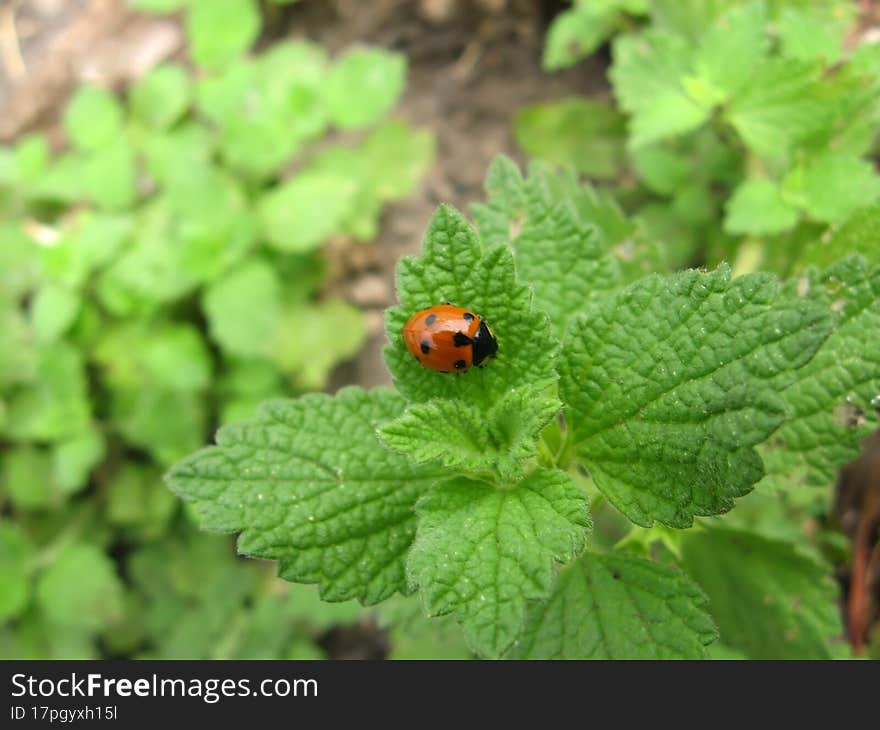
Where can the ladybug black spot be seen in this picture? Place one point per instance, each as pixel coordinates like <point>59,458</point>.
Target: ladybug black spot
<point>430,319</point>
<point>460,339</point>
<point>460,364</point>
<point>426,348</point>
<point>468,317</point>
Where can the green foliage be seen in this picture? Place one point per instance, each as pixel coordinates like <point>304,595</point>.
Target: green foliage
<point>769,600</point>
<point>586,135</point>
<point>655,398</point>
<point>670,434</point>
<point>577,32</point>
<point>619,607</point>
<point>154,282</point>
<point>340,516</point>
<point>481,552</point>
<point>768,81</point>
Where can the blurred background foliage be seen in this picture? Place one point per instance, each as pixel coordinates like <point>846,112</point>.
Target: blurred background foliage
<point>161,276</point>
<point>166,265</point>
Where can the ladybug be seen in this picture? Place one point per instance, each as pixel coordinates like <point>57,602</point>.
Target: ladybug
<point>449,339</point>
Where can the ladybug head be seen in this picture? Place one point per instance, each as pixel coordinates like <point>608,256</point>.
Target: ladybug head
<point>484,344</point>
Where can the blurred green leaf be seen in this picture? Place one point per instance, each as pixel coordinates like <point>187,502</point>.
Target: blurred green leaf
<point>244,309</point>
<point>646,75</point>
<point>32,157</point>
<point>52,312</point>
<point>91,243</point>
<point>75,457</point>
<point>363,86</point>
<point>587,135</point>
<point>147,355</point>
<point>577,32</point>
<point>80,589</point>
<point>303,212</point>
<point>780,106</point>
<point>768,599</point>
<point>396,156</point>
<point>16,552</point>
<point>138,501</point>
<point>176,153</point>
<point>860,233</point>
<point>315,337</point>
<point>109,175</point>
<point>56,405</point>
<point>93,118</point>
<point>220,30</point>
<point>814,30</point>
<point>27,477</point>
<point>757,207</point>
<point>833,186</point>
<point>162,96</point>
<point>168,424</point>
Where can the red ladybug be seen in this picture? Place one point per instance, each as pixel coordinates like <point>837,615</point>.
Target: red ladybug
<point>449,339</point>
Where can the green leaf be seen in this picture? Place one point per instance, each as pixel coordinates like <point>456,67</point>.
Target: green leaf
<point>500,440</point>
<point>757,207</point>
<point>162,96</point>
<point>266,108</point>
<point>93,118</point>
<point>687,18</point>
<point>363,86</point>
<point>396,157</point>
<point>455,267</point>
<point>175,153</point>
<point>769,600</point>
<point>109,175</point>
<point>336,512</point>
<point>32,158</point>
<point>670,385</point>
<point>832,186</point>
<point>56,405</point>
<point>482,551</point>
<point>313,338</point>
<point>859,234</point>
<point>661,169</point>
<point>90,244</point>
<point>16,553</point>
<point>834,398</point>
<point>578,32</point>
<point>571,245</point>
<point>154,354</point>
<point>142,418</point>
<point>80,590</point>
<point>780,106</point>
<point>440,430</point>
<point>52,312</point>
<point>647,74</point>
<point>611,606</point>
<point>220,30</point>
<point>244,309</point>
<point>729,53</point>
<point>303,212</point>
<point>584,134</point>
<point>176,357</point>
<point>814,33</point>
<point>27,477</point>
<point>74,458</point>
<point>138,501</point>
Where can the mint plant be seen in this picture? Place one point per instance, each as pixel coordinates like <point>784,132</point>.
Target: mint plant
<point>645,399</point>
<point>163,273</point>
<point>748,122</point>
